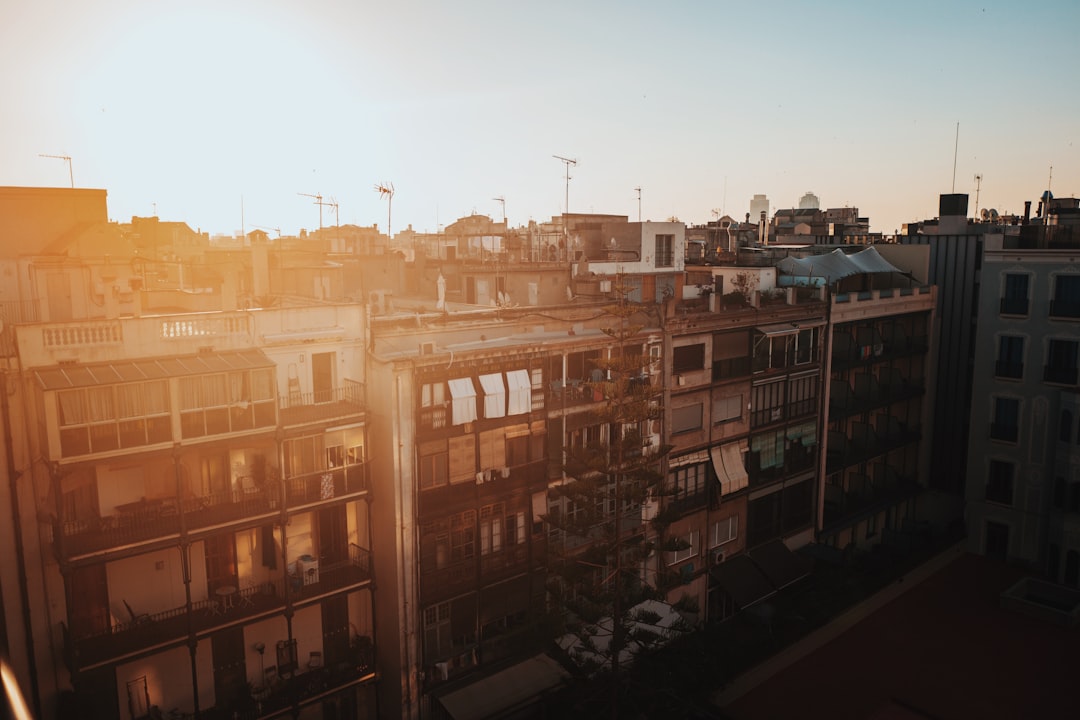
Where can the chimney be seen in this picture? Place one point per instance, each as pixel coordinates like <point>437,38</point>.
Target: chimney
<point>1027,211</point>
<point>952,214</point>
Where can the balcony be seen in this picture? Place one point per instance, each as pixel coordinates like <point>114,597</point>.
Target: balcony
<point>1014,306</point>
<point>730,368</point>
<point>798,459</point>
<point>331,405</point>
<point>1059,375</point>
<point>323,485</point>
<point>866,444</point>
<point>147,520</point>
<point>1065,309</point>
<point>864,495</point>
<point>168,626</point>
<point>1010,370</point>
<point>332,576</point>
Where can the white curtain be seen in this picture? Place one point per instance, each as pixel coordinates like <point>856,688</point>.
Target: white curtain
<point>520,392</point>
<point>464,397</point>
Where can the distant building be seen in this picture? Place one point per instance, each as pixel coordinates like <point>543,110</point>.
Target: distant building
<point>759,204</point>
<point>809,201</point>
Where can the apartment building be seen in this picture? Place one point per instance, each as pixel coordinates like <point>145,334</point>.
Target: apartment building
<point>743,395</point>
<point>1023,493</point>
<point>192,492</point>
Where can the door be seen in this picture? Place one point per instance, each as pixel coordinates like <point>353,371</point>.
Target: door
<point>58,287</point>
<point>322,376</point>
<point>230,672</point>
<point>335,623</point>
<point>220,562</point>
<point>333,535</point>
<point>997,540</point>
<point>90,606</point>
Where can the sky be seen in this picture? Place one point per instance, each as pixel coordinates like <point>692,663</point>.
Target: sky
<point>229,114</point>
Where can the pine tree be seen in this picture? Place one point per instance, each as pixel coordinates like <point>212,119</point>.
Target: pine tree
<point>596,577</point>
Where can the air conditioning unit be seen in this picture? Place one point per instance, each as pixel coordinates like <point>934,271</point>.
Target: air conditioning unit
<point>442,671</point>
<point>481,477</point>
<point>716,556</point>
<point>680,380</point>
<point>427,348</point>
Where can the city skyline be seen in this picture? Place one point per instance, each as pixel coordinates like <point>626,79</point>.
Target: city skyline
<point>231,117</point>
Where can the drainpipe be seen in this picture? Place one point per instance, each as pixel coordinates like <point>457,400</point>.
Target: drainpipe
<point>16,519</point>
<point>185,565</point>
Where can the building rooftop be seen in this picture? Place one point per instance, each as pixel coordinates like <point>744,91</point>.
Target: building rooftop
<point>946,648</point>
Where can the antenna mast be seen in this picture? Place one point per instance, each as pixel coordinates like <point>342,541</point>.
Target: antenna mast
<point>502,201</point>
<point>978,186</point>
<point>320,203</point>
<point>638,188</point>
<point>386,190</point>
<point>65,158</point>
<point>568,162</point>
<point>956,147</point>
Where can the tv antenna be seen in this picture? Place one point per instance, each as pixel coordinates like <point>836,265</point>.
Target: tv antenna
<point>568,162</point>
<point>265,227</point>
<point>638,190</point>
<point>386,190</point>
<point>319,201</point>
<point>978,186</point>
<point>502,201</point>
<point>65,158</point>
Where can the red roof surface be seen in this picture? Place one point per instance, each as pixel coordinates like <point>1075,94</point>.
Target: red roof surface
<point>943,649</point>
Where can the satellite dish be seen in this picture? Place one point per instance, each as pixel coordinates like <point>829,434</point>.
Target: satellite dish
<point>993,214</point>
<point>984,214</point>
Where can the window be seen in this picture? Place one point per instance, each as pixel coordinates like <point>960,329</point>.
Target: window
<point>491,528</point>
<point>1006,423</point>
<point>688,358</point>
<point>806,344</point>
<point>727,409</point>
<point>463,394</point>
<point>437,637</point>
<point>871,526</point>
<point>802,395</point>
<point>686,419</point>
<point>433,405</point>
<point>731,355</point>
<point>1015,300</point>
<point>433,464</point>
<point>1066,302</point>
<point>109,417</point>
<point>1061,362</point>
<point>767,403</point>
<point>1010,359</point>
<point>305,455</point>
<point>766,454</point>
<point>690,543</point>
<point>1065,422</point>
<point>724,531</point>
<point>462,536</point>
<point>515,528</point>
<point>999,482</point>
<point>462,460</point>
<point>493,449</point>
<point>665,250</point>
<point>687,481</point>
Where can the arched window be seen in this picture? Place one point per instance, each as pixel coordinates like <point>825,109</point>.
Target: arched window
<point>1065,427</point>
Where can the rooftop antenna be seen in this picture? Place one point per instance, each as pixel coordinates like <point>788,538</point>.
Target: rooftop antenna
<point>65,158</point>
<point>386,190</point>
<point>568,162</point>
<point>1048,181</point>
<point>638,189</point>
<point>318,201</point>
<point>956,147</point>
<point>266,227</point>
<point>978,186</point>
<point>502,201</point>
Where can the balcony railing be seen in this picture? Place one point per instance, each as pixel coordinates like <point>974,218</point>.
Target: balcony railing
<point>322,406</point>
<point>859,498</point>
<point>144,631</point>
<point>147,520</point>
<point>1012,370</point>
<point>326,484</point>
<point>1064,309</point>
<point>332,576</point>
<point>1059,375</point>
<point>1014,306</point>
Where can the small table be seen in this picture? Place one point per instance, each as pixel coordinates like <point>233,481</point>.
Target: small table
<point>226,593</point>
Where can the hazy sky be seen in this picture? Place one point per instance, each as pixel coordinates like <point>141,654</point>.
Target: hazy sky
<point>194,105</point>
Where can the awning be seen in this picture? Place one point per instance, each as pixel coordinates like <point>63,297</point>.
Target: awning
<point>520,395</point>
<point>781,566</point>
<point>464,400</point>
<point>505,690</point>
<point>777,330</point>
<point>742,580</point>
<point>63,377</point>
<point>494,395</point>
<point>728,464</point>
